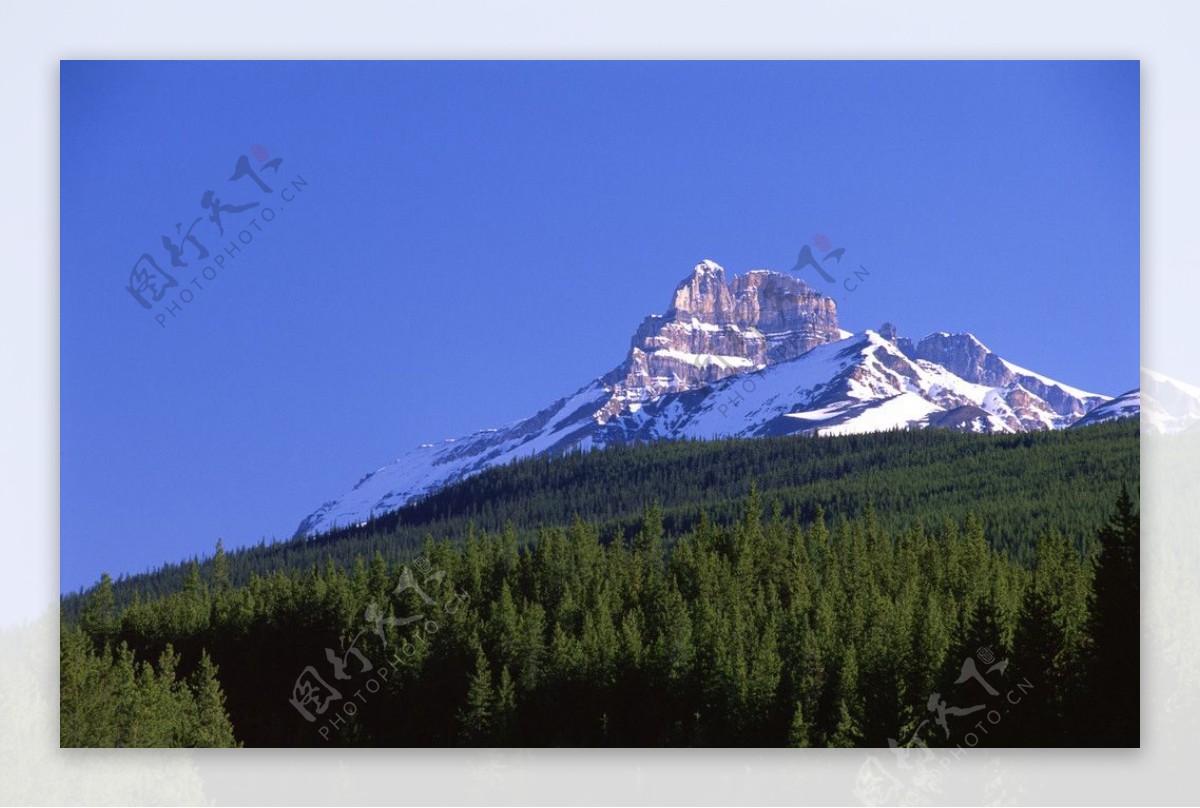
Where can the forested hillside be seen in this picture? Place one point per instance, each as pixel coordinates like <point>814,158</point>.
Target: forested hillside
<point>758,632</point>
<point>951,579</point>
<point>1018,486</point>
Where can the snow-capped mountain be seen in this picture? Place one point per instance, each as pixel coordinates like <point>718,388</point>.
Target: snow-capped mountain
<point>759,355</point>
<point>713,330</point>
<point>862,383</point>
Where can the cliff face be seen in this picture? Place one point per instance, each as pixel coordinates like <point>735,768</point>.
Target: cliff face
<point>965,357</point>
<point>968,358</point>
<point>715,329</point>
<point>792,316</point>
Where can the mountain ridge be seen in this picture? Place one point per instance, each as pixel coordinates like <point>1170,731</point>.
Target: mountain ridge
<point>759,355</point>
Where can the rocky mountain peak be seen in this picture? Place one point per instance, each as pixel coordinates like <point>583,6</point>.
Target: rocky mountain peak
<point>965,356</point>
<point>703,295</point>
<point>968,358</point>
<point>714,329</point>
<point>892,334</point>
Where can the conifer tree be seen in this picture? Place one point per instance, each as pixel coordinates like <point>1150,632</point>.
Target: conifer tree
<point>1114,662</point>
<point>1037,650</point>
<point>99,618</point>
<point>649,539</point>
<point>221,583</point>
<point>847,726</point>
<point>798,733</point>
<point>209,725</point>
<point>504,719</point>
<point>476,717</point>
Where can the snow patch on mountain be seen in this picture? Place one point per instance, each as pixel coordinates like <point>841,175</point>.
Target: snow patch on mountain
<point>1126,405</point>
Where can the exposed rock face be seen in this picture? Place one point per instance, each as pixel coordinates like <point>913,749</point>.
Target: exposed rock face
<point>889,332</point>
<point>790,314</point>
<point>965,357</point>
<point>968,358</point>
<point>964,418</point>
<point>704,295</point>
<point>715,329</point>
<point>1030,411</point>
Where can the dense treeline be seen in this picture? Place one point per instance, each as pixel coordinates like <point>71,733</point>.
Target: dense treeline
<point>108,698</point>
<point>1019,486</point>
<point>764,629</point>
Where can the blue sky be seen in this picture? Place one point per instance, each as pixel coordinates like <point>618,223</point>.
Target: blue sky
<point>458,244</point>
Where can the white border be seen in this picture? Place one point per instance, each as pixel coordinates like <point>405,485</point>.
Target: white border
<point>33,37</point>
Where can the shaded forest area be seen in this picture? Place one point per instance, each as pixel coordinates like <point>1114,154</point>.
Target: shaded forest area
<point>763,626</point>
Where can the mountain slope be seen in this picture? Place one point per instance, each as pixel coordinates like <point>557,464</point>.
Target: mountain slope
<point>757,356</point>
<point>1019,485</point>
<point>1126,405</point>
<point>863,383</point>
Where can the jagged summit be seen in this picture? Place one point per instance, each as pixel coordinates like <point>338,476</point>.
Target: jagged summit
<point>713,329</point>
<point>759,354</point>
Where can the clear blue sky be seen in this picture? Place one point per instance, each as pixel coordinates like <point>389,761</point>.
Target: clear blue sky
<point>476,240</point>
